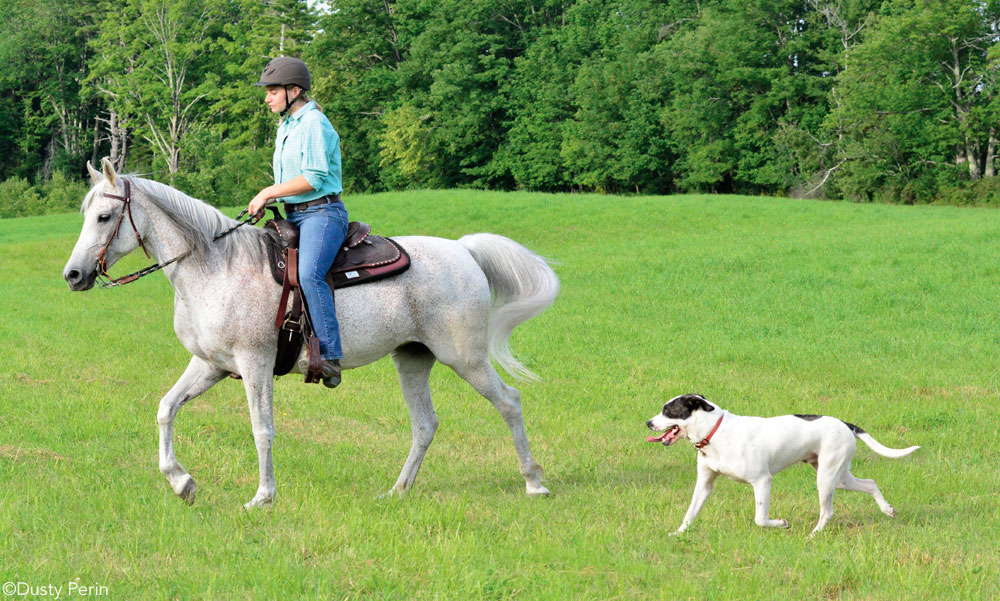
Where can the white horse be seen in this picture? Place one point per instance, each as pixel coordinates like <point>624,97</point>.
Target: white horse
<point>225,301</point>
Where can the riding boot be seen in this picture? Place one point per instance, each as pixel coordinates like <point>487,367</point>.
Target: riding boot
<point>329,371</point>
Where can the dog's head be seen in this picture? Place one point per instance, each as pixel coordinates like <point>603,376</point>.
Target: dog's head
<point>678,413</point>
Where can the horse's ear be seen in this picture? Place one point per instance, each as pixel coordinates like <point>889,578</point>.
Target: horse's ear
<point>95,175</point>
<point>109,172</point>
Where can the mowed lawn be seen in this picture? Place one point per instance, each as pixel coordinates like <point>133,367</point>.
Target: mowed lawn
<point>885,316</point>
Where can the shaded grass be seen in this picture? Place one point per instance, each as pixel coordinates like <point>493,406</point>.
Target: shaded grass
<point>881,315</point>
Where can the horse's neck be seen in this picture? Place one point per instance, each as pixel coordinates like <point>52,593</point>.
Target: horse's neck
<point>166,242</point>
<point>163,239</point>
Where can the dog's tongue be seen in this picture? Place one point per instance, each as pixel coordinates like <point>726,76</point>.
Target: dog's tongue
<point>657,438</point>
<point>667,438</point>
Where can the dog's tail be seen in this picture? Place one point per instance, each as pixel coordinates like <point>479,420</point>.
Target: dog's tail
<point>878,447</point>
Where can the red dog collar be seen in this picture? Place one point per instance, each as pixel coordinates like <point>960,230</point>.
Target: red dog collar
<point>704,442</point>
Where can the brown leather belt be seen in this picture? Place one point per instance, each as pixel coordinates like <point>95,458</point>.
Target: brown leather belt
<point>291,207</point>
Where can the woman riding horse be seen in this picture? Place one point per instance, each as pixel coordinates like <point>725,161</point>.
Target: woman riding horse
<point>307,178</point>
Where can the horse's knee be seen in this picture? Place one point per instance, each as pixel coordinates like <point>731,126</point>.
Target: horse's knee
<point>423,427</point>
<point>429,425</point>
<point>169,406</point>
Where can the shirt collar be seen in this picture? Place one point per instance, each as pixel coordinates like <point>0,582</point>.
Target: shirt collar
<point>297,115</point>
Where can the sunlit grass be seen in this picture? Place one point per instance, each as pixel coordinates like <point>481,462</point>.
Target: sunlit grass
<point>882,315</point>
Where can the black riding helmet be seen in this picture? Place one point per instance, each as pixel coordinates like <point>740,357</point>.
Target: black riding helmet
<point>285,71</point>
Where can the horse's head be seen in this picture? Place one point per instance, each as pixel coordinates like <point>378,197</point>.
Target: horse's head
<point>112,225</point>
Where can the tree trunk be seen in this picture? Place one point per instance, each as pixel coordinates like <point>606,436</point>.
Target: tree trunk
<point>972,156</point>
<point>988,169</point>
<point>97,141</point>
<point>117,135</point>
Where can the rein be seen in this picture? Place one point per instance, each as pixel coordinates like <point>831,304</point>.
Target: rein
<point>251,220</point>
<point>103,278</point>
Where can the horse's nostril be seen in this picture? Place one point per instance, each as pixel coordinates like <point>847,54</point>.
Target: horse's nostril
<point>72,276</point>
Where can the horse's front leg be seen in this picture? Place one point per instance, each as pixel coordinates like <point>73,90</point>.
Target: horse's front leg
<point>196,379</point>
<point>259,385</point>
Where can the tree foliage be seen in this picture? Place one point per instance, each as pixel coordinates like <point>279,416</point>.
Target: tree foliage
<point>859,99</point>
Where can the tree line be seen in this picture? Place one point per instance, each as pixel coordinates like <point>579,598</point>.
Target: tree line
<point>865,100</point>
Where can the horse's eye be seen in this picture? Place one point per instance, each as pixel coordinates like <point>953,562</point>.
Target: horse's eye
<point>104,218</point>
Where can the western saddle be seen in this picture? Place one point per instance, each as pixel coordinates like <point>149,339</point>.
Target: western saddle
<point>363,258</point>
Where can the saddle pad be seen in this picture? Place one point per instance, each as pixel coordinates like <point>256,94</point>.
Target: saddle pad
<point>375,258</point>
<point>372,259</point>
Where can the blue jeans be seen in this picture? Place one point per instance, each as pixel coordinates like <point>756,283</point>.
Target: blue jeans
<point>322,229</point>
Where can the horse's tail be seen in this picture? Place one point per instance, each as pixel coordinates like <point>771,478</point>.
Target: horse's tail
<point>522,285</point>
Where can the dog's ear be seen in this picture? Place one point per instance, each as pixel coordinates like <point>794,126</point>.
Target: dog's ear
<point>697,401</point>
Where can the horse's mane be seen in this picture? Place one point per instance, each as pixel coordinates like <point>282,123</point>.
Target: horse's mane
<point>199,223</point>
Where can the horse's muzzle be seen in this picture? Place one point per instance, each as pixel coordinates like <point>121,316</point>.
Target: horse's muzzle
<point>79,280</point>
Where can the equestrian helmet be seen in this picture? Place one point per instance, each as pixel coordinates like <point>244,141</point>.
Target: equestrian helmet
<point>285,71</point>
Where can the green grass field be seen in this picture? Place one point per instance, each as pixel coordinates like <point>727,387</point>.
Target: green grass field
<point>885,316</point>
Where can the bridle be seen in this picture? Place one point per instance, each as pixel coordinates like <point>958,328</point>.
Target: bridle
<point>103,278</point>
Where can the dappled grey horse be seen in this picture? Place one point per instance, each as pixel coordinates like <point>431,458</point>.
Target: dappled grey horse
<point>225,300</point>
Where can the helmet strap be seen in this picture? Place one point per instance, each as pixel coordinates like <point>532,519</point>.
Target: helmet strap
<point>288,104</point>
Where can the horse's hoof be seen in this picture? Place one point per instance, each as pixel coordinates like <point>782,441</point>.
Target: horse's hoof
<point>394,493</point>
<point>537,490</point>
<point>187,493</point>
<point>259,501</point>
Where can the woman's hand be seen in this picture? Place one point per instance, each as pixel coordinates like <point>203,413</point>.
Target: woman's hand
<point>260,201</point>
<point>293,187</point>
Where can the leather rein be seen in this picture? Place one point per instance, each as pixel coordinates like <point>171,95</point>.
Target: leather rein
<point>103,278</point>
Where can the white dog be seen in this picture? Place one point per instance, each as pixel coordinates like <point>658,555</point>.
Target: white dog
<point>753,449</point>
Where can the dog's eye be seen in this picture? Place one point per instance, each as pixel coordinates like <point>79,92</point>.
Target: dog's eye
<point>104,218</point>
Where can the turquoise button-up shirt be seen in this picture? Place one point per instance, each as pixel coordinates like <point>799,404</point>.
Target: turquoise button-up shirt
<point>307,145</point>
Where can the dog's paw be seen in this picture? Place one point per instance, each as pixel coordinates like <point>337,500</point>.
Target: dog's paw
<point>889,511</point>
<point>784,524</point>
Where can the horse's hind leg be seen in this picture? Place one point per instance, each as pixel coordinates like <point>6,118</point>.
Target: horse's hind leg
<point>507,400</point>
<point>196,379</point>
<point>414,363</point>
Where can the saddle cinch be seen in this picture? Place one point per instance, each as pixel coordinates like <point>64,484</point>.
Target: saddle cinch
<point>363,258</point>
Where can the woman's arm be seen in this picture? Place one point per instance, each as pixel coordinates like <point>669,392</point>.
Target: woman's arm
<point>295,186</point>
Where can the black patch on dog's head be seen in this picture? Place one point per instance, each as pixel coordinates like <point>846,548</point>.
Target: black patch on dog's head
<point>683,406</point>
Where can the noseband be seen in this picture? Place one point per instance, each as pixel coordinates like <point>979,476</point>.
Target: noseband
<point>103,278</point>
